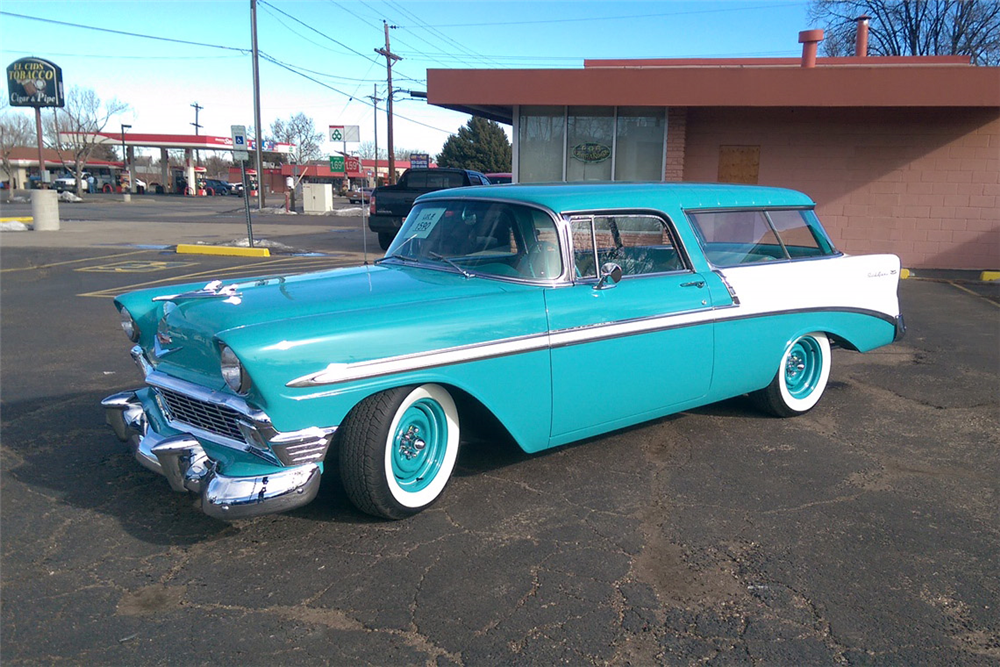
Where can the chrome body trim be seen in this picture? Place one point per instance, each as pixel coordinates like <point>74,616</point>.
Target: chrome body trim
<point>188,468</point>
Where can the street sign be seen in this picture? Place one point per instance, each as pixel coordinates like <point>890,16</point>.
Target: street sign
<point>420,160</point>
<point>351,133</point>
<point>352,163</point>
<point>240,143</point>
<point>336,163</point>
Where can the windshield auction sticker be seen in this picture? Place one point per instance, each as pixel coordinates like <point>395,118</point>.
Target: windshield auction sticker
<point>425,222</point>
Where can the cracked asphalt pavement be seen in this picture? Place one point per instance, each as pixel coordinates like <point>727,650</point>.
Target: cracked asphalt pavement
<point>865,532</point>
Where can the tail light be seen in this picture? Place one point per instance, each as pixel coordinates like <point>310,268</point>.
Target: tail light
<point>371,206</point>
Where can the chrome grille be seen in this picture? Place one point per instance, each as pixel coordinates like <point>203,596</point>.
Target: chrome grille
<point>207,416</point>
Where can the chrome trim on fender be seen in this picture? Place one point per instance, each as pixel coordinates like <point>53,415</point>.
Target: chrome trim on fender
<point>362,370</point>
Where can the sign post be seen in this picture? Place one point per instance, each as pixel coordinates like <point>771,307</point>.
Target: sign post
<point>33,82</point>
<point>241,154</point>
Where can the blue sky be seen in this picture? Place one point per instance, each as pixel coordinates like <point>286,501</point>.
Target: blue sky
<point>336,38</point>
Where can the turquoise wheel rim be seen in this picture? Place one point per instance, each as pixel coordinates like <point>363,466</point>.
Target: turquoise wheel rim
<point>419,444</point>
<point>803,367</point>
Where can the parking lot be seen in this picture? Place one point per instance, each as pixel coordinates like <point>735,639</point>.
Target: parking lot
<point>865,532</point>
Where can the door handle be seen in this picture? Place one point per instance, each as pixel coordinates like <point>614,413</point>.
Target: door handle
<point>695,283</point>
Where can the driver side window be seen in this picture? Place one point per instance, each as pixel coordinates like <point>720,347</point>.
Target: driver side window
<point>639,244</point>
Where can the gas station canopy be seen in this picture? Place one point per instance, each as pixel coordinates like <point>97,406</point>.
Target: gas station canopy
<point>185,141</point>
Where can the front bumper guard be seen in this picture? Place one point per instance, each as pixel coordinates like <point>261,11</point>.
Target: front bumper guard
<point>183,461</point>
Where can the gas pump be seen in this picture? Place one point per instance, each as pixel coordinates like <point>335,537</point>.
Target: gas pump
<point>252,182</point>
<point>199,177</point>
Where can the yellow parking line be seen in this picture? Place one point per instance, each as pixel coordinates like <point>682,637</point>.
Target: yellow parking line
<point>966,289</point>
<point>74,261</point>
<point>18,218</point>
<point>302,263</point>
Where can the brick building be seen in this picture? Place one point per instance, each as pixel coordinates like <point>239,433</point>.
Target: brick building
<point>901,154</point>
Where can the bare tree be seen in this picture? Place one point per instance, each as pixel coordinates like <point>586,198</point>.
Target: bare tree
<point>366,150</point>
<point>913,27</point>
<point>16,130</point>
<point>82,118</point>
<point>299,130</point>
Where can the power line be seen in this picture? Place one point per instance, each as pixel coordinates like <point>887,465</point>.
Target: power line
<point>123,32</point>
<point>437,34</point>
<point>608,18</point>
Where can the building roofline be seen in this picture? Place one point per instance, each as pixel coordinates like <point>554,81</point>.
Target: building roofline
<point>849,61</point>
<point>872,85</point>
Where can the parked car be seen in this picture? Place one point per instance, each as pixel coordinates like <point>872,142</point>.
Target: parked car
<point>359,196</point>
<point>390,204</point>
<point>499,179</point>
<point>236,188</point>
<point>214,186</point>
<point>564,311</point>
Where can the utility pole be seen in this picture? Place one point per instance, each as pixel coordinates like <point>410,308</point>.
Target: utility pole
<point>390,57</point>
<point>197,108</point>
<point>375,100</point>
<point>256,106</point>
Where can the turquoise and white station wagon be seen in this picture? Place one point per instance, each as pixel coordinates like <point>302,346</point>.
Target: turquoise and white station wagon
<point>519,300</point>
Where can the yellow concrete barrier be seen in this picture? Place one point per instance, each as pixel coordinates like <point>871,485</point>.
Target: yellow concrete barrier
<point>192,249</point>
<point>23,218</point>
<point>989,276</point>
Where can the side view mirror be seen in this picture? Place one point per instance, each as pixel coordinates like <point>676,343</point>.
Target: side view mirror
<point>611,273</point>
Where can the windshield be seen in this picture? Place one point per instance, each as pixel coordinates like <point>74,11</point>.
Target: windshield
<point>481,238</point>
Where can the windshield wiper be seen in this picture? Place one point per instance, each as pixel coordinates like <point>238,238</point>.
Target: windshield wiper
<point>451,263</point>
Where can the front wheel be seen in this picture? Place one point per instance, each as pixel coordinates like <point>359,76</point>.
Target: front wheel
<point>801,378</point>
<point>398,448</point>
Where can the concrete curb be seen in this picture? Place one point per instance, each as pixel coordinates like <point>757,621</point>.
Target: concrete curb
<point>191,249</point>
<point>989,276</point>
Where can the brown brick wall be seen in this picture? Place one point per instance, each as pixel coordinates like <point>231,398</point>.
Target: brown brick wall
<point>676,142</point>
<point>923,184</point>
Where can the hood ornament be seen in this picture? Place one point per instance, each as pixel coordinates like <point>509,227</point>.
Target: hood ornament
<point>212,290</point>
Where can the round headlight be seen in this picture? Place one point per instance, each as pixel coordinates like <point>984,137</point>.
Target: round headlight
<point>232,371</point>
<point>129,326</point>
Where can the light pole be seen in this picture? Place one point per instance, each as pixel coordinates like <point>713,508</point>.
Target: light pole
<point>126,194</point>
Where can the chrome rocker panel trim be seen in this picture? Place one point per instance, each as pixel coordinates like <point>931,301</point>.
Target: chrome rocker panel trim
<point>183,461</point>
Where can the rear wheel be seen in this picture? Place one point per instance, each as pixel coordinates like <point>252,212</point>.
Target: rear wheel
<point>398,448</point>
<point>800,380</point>
<point>385,239</point>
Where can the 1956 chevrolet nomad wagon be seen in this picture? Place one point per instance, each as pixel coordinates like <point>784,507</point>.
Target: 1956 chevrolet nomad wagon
<point>520,300</point>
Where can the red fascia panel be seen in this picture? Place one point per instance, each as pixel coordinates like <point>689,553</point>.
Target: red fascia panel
<point>881,86</point>
<point>871,61</point>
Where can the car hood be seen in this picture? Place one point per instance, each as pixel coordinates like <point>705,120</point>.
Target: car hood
<point>186,333</point>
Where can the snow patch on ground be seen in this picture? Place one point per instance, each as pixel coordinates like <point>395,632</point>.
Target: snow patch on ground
<point>14,227</point>
<point>259,243</point>
<point>68,197</point>
<point>277,210</point>
<point>350,211</point>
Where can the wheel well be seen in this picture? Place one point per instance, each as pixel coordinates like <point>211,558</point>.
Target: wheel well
<point>475,418</point>
<point>840,341</point>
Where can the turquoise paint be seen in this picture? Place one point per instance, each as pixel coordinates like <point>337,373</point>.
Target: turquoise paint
<point>598,382</point>
<point>804,367</point>
<point>419,445</point>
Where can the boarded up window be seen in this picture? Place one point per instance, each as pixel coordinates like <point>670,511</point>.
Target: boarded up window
<point>739,164</point>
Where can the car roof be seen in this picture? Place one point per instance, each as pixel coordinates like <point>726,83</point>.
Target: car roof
<point>562,197</point>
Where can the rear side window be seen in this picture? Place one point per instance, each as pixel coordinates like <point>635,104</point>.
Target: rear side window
<point>735,238</point>
<point>444,180</point>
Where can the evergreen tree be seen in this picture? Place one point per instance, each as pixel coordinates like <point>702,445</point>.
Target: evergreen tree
<point>480,145</point>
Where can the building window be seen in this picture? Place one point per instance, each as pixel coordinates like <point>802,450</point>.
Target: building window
<point>541,138</point>
<point>589,143</point>
<point>639,144</point>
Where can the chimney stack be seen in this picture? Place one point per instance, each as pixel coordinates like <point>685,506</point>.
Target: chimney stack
<point>810,39</point>
<point>861,41</point>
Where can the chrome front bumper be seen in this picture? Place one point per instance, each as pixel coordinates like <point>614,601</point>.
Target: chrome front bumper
<point>183,461</point>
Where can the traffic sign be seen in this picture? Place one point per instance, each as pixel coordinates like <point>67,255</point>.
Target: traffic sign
<point>336,163</point>
<point>240,143</point>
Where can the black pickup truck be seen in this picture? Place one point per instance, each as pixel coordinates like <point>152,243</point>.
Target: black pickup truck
<point>390,204</point>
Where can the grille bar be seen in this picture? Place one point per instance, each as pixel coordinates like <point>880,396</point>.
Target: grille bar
<point>207,416</point>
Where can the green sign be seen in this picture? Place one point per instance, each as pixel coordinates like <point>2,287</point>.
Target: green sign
<point>336,163</point>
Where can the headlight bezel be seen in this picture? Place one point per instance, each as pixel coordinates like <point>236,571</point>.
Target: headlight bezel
<point>129,325</point>
<point>233,373</point>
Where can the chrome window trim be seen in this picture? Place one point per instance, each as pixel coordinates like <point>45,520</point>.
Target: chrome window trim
<point>763,209</point>
<point>682,251</point>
